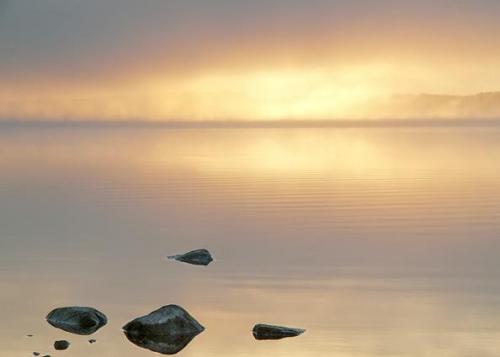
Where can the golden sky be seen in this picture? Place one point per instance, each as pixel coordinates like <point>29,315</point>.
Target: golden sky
<point>239,60</point>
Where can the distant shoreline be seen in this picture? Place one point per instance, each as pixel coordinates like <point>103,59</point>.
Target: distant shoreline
<point>373,123</point>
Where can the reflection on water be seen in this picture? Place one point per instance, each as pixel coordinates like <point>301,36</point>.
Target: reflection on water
<point>164,344</point>
<point>377,241</point>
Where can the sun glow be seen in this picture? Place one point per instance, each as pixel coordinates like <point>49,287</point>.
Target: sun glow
<point>262,94</point>
<point>247,93</point>
<point>280,94</point>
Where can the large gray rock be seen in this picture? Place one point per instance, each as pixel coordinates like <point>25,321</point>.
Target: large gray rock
<point>166,330</point>
<point>195,257</point>
<point>76,319</point>
<point>270,332</point>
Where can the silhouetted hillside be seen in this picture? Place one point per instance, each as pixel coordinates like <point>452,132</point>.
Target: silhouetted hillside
<point>482,105</point>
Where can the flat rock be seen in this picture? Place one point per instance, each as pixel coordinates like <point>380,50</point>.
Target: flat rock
<point>271,332</point>
<point>195,257</point>
<point>61,345</point>
<point>78,320</point>
<point>166,330</point>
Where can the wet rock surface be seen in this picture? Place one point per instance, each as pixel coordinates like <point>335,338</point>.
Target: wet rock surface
<point>195,257</point>
<point>61,345</point>
<point>78,320</point>
<point>166,330</point>
<point>271,332</point>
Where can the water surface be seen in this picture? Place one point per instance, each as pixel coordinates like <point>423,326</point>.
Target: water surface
<point>378,241</point>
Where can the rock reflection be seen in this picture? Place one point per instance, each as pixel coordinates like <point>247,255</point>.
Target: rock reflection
<point>164,344</point>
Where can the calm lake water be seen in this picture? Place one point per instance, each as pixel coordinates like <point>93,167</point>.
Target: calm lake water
<point>378,241</point>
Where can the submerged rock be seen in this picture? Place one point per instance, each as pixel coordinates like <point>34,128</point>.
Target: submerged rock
<point>166,330</point>
<point>270,332</point>
<point>195,257</point>
<point>78,320</point>
<point>61,345</point>
<point>36,353</point>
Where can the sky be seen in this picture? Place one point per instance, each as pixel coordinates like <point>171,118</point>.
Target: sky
<point>236,59</point>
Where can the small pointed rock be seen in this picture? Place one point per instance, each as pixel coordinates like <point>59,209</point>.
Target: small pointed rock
<point>61,345</point>
<point>92,341</point>
<point>78,320</point>
<point>167,330</point>
<point>195,257</point>
<point>271,332</point>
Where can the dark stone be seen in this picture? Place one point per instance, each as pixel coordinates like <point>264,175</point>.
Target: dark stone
<point>270,332</point>
<point>61,345</point>
<point>167,330</point>
<point>36,353</point>
<point>78,320</point>
<point>92,341</point>
<point>195,257</point>
<point>29,335</point>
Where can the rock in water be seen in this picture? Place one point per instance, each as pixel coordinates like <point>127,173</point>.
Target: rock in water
<point>78,320</point>
<point>270,332</point>
<point>61,345</point>
<point>167,330</point>
<point>195,257</point>
<point>171,319</point>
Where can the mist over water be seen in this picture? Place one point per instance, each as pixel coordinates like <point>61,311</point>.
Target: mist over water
<point>378,241</point>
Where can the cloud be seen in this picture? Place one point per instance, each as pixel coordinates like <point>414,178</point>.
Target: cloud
<point>72,39</point>
<point>98,49</point>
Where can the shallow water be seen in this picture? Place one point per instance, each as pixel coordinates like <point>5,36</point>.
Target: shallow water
<point>378,241</point>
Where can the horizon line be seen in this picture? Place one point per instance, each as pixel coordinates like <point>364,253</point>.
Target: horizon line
<point>235,124</point>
